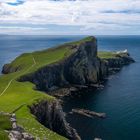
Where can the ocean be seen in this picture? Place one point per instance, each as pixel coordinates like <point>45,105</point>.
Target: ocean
<point>120,99</point>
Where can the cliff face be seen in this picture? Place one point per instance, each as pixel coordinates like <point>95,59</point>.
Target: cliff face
<point>82,67</point>
<point>50,114</point>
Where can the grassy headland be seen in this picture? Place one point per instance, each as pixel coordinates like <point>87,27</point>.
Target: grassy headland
<point>17,96</point>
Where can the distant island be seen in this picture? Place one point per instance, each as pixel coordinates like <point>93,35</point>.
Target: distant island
<point>32,84</point>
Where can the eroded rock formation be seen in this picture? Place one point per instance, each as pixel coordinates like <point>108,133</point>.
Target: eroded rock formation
<point>52,116</point>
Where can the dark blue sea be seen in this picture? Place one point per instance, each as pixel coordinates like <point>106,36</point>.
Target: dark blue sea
<point>120,99</point>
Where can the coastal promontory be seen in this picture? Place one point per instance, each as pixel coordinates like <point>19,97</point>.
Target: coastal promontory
<point>29,84</point>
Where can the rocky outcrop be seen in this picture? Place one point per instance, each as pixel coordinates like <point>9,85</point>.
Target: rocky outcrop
<point>88,113</point>
<point>117,62</point>
<point>51,115</point>
<point>7,68</point>
<point>120,60</point>
<point>17,132</point>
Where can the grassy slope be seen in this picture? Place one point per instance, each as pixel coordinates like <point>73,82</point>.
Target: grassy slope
<point>5,124</point>
<point>106,55</point>
<point>19,95</point>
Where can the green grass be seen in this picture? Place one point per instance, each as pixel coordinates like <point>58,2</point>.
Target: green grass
<point>106,55</point>
<point>87,39</point>
<point>5,124</point>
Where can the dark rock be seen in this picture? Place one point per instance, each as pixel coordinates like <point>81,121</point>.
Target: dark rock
<point>7,68</point>
<point>52,116</point>
<point>83,66</point>
<point>120,60</point>
<point>88,113</point>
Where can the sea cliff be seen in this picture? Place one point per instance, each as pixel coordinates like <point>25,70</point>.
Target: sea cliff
<point>51,115</point>
<point>82,67</point>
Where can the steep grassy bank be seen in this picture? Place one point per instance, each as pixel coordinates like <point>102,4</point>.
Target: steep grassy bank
<point>5,124</point>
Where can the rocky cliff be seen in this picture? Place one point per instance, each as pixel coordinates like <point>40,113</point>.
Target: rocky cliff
<point>51,115</point>
<point>82,67</point>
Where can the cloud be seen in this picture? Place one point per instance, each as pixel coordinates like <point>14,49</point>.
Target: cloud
<point>86,14</point>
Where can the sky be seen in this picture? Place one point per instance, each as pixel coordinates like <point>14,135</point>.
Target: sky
<point>70,17</point>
